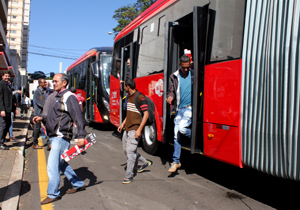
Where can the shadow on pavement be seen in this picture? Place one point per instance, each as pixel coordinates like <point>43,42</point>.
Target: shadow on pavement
<point>276,192</point>
<point>83,173</point>
<point>25,188</point>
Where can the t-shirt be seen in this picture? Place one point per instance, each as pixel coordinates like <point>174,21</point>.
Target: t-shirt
<point>185,91</point>
<point>133,119</point>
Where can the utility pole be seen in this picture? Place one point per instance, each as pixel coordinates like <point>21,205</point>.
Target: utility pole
<point>60,67</point>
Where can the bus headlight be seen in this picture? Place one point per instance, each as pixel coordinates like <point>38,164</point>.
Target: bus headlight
<point>106,104</point>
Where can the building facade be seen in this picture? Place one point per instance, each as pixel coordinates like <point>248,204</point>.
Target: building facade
<point>18,16</point>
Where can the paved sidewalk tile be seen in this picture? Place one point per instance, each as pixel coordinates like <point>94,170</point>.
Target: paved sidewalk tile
<point>12,163</point>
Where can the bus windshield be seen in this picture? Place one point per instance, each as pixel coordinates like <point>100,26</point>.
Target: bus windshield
<point>105,68</point>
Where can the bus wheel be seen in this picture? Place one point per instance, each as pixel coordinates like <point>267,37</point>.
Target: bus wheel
<point>149,137</point>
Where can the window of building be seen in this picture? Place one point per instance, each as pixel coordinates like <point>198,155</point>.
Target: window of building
<point>14,16</point>
<point>13,31</point>
<point>13,39</point>
<point>13,46</point>
<point>15,2</point>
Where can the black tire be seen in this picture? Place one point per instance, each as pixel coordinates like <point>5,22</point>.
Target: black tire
<point>149,139</point>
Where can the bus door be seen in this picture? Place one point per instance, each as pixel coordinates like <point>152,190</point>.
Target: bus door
<point>186,35</point>
<point>128,63</point>
<point>203,25</point>
<point>90,94</point>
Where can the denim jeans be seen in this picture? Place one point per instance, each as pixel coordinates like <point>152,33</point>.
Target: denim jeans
<point>11,127</point>
<point>56,164</point>
<point>182,122</point>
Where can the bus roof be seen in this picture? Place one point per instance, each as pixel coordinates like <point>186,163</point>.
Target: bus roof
<point>155,8</point>
<point>91,52</point>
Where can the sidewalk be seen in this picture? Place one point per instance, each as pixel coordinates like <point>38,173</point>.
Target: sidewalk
<point>12,164</point>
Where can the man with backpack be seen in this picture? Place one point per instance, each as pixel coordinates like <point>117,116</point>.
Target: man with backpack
<point>133,125</point>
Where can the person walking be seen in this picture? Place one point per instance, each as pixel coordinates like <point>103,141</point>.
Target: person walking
<point>133,128</point>
<point>6,107</point>
<point>62,111</point>
<point>25,104</point>
<point>40,96</point>
<point>180,92</point>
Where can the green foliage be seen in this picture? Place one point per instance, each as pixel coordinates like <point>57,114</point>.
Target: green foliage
<point>49,78</point>
<point>125,14</point>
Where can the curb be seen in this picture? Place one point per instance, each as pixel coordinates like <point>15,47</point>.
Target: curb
<point>12,194</point>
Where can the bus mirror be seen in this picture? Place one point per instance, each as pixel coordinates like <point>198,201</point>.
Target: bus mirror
<point>95,69</point>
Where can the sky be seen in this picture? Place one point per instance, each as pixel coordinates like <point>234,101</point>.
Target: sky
<point>67,29</point>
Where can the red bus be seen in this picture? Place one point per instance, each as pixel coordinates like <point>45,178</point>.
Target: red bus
<point>90,75</point>
<point>246,78</point>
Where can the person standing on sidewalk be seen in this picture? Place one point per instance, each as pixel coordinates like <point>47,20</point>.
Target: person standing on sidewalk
<point>60,115</point>
<point>25,104</point>
<point>13,114</point>
<point>180,91</point>
<point>39,97</point>
<point>6,107</point>
<point>133,129</point>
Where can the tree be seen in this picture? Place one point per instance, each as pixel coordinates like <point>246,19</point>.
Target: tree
<point>125,14</point>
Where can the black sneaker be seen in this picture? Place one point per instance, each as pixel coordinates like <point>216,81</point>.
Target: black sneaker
<point>142,168</point>
<point>2,146</point>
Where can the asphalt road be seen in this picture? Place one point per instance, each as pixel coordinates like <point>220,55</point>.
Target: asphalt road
<point>201,183</point>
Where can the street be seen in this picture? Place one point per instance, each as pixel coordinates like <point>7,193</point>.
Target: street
<point>201,183</point>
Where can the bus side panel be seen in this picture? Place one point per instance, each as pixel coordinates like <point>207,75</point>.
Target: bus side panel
<point>152,86</point>
<point>114,101</point>
<point>222,143</point>
<point>222,96</point>
<point>97,114</point>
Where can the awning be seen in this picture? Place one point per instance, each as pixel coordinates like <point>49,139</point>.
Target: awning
<point>3,62</point>
<point>11,71</point>
<point>4,66</point>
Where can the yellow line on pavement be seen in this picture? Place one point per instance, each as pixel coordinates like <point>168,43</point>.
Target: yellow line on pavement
<point>43,177</point>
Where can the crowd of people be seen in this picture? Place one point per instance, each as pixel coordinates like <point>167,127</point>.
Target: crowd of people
<point>58,111</point>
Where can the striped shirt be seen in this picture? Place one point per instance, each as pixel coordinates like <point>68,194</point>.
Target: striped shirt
<point>133,118</point>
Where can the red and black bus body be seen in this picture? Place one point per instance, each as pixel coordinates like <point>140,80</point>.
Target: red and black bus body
<point>246,106</point>
<point>90,74</point>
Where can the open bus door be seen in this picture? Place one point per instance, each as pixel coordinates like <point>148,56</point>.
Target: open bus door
<point>200,31</point>
<point>189,32</point>
<point>127,53</point>
<point>90,95</point>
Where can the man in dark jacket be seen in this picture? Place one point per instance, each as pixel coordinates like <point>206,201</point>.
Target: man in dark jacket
<point>180,92</point>
<point>62,111</point>
<point>6,107</point>
<point>40,96</point>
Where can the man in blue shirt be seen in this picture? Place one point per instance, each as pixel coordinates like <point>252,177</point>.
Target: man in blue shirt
<point>180,94</point>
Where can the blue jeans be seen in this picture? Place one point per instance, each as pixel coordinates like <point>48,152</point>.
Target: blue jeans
<point>11,127</point>
<point>42,133</point>
<point>56,164</point>
<point>182,122</point>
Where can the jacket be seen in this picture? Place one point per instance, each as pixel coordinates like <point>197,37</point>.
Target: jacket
<point>174,89</point>
<point>39,98</point>
<point>61,111</point>
<point>6,100</point>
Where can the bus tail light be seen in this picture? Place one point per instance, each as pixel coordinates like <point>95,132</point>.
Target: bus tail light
<point>210,136</point>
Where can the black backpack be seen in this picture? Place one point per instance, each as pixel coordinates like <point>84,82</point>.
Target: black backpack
<point>151,109</point>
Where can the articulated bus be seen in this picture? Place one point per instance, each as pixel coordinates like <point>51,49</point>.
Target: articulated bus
<point>90,75</point>
<point>246,104</point>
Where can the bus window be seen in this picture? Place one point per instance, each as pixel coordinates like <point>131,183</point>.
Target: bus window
<point>105,69</point>
<point>228,31</point>
<point>150,57</point>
